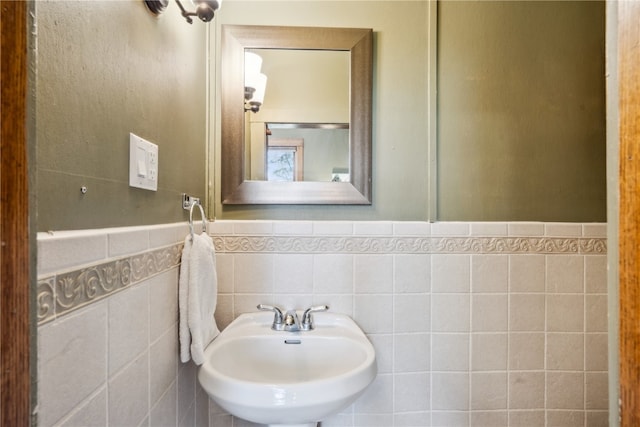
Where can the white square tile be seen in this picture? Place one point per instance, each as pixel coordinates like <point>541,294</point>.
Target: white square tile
<point>565,351</point>
<point>450,391</point>
<point>224,272</point>
<point>378,397</point>
<point>411,313</point>
<point>596,313</point>
<point>597,390</point>
<point>253,273</point>
<point>412,273</point>
<point>488,390</point>
<point>129,394</point>
<point>450,352</point>
<point>527,273</point>
<point>411,392</point>
<point>333,273</point>
<point>163,303</point>
<point>385,349</point>
<point>128,326</point>
<point>373,273</point>
<point>450,273</point>
<point>526,390</point>
<point>489,273</point>
<point>91,413</point>
<point>293,273</point>
<point>527,312</point>
<point>72,361</point>
<point>411,352</point>
<point>489,352</point>
<point>565,390</point>
<point>374,313</point>
<point>565,274</point>
<point>164,412</point>
<point>450,313</point>
<point>163,365</point>
<point>565,313</point>
<point>595,276</point>
<point>526,351</point>
<point>596,352</point>
<point>489,313</point>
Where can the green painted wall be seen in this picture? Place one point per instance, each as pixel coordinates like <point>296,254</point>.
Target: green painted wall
<point>521,111</point>
<point>104,69</point>
<point>400,102</point>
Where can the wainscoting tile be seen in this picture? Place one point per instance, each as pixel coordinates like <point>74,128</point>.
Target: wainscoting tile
<point>489,273</point>
<point>373,228</point>
<point>72,361</point>
<point>565,274</point>
<point>527,273</point>
<point>127,242</point>
<point>60,251</point>
<point>129,393</point>
<point>450,273</point>
<point>412,273</point>
<point>489,352</point>
<point>128,326</point>
<point>488,390</point>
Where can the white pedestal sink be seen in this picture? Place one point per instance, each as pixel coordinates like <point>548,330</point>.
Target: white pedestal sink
<point>288,378</point>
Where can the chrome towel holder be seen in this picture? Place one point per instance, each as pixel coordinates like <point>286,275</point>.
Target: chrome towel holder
<point>189,202</point>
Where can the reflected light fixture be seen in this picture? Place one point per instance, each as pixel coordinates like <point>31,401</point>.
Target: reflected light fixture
<point>205,9</point>
<point>255,82</point>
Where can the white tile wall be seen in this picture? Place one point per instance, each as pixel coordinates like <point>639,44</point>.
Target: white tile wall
<point>463,338</point>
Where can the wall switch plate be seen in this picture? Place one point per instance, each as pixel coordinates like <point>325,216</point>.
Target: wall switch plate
<point>143,163</point>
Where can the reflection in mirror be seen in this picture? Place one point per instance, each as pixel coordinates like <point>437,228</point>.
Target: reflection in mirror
<point>306,151</point>
<point>315,75</point>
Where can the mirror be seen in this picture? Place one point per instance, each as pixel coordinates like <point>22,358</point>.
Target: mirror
<point>242,183</point>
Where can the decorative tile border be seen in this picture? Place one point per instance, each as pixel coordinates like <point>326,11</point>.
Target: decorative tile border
<point>65,292</point>
<point>449,245</point>
<point>62,293</point>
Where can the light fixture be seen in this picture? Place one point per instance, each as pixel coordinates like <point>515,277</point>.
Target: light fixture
<point>205,9</point>
<point>255,82</point>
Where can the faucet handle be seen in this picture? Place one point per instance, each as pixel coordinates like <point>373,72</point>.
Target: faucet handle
<point>278,323</point>
<point>307,320</point>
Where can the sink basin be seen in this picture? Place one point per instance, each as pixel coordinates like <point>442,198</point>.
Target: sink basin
<point>287,378</point>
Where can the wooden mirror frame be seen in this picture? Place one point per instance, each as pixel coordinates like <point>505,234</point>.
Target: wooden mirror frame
<point>235,190</point>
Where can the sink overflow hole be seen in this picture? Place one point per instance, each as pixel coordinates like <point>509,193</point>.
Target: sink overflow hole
<point>292,342</point>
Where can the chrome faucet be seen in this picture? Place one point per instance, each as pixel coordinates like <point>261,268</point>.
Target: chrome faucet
<point>289,321</point>
<point>307,319</point>
<point>278,318</point>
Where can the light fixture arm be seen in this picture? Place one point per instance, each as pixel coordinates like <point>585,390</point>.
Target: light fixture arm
<point>187,15</point>
<point>205,9</point>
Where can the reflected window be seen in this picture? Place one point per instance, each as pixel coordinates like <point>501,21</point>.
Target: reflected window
<point>285,159</point>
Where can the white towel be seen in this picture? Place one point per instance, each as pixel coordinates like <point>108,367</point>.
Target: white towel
<point>198,290</point>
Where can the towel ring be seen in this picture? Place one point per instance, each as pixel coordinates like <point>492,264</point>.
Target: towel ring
<point>204,219</point>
